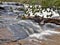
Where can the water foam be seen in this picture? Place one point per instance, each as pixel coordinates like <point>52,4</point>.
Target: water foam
<point>44,33</point>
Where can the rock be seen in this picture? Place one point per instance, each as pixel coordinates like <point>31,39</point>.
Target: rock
<point>20,30</point>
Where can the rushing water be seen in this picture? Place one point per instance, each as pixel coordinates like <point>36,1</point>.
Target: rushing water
<point>48,29</point>
<point>24,28</point>
<point>27,28</point>
<point>21,29</point>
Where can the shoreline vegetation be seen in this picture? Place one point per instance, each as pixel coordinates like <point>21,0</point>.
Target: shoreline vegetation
<point>35,12</point>
<point>44,3</point>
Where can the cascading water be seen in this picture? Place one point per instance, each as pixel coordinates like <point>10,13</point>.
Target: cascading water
<point>27,28</point>
<point>49,33</point>
<point>12,29</point>
<point>24,28</point>
<point>20,30</point>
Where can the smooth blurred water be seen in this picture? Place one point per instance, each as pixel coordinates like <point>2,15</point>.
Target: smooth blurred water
<point>27,28</point>
<point>22,29</point>
<point>48,29</point>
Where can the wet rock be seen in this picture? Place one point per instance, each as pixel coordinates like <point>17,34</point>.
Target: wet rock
<point>2,8</point>
<point>18,31</point>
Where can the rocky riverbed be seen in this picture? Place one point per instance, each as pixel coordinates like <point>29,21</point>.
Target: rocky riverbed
<point>27,32</point>
<point>16,29</point>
